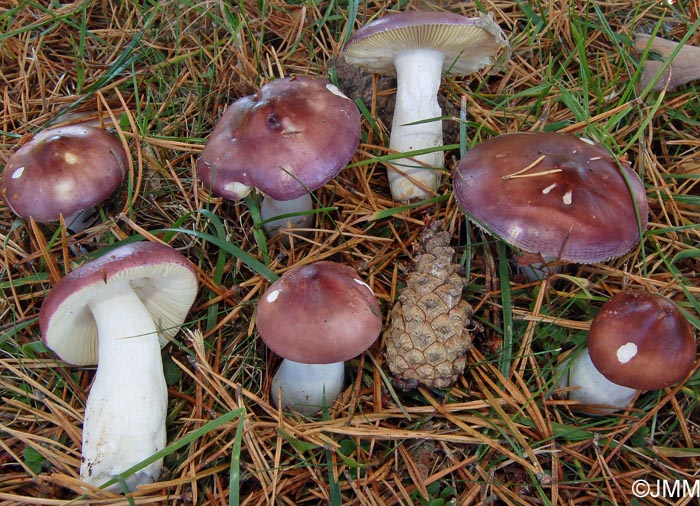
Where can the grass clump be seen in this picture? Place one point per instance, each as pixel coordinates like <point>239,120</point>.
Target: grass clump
<point>159,74</point>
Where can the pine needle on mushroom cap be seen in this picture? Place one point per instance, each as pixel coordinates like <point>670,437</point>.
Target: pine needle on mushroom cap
<point>159,76</point>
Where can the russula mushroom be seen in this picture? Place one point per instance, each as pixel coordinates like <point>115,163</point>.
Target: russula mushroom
<point>637,341</point>
<point>684,68</point>
<point>290,138</point>
<point>553,195</point>
<point>63,171</point>
<point>315,317</point>
<point>117,311</point>
<point>419,47</point>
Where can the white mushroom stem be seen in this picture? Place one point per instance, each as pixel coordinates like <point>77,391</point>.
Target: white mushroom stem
<point>78,222</point>
<point>271,208</point>
<point>306,388</point>
<point>537,271</point>
<point>592,388</point>
<point>418,74</point>
<point>126,408</point>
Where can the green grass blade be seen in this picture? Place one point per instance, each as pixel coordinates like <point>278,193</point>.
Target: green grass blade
<point>235,470</point>
<point>232,249</point>
<point>506,356</point>
<point>180,443</point>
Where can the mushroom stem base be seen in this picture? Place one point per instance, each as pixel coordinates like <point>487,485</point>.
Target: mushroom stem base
<point>77,222</point>
<point>593,387</point>
<point>307,388</point>
<point>276,211</point>
<point>538,271</point>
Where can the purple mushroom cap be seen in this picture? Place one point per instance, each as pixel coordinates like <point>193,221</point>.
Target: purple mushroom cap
<point>319,313</point>
<point>642,340</point>
<point>291,137</point>
<point>553,194</point>
<point>164,280</point>
<point>62,171</point>
<point>468,44</point>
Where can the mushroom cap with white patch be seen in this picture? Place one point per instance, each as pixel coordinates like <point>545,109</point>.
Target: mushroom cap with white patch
<point>553,194</point>
<point>290,138</point>
<point>641,340</point>
<point>468,44</point>
<point>62,171</point>
<point>319,313</point>
<point>163,279</point>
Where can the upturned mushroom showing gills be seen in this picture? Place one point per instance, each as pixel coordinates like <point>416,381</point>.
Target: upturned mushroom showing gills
<point>290,138</point>
<point>117,311</point>
<point>637,341</point>
<point>554,195</point>
<point>63,171</point>
<point>418,47</point>
<point>315,317</point>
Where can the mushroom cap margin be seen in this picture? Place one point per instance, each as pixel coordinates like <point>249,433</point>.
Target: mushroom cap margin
<point>468,44</point>
<point>319,313</point>
<point>163,278</point>
<point>651,330</point>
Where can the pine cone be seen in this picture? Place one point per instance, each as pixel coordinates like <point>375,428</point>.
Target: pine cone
<point>428,334</point>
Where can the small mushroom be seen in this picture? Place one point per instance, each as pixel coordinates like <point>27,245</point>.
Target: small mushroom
<point>315,317</point>
<point>553,195</point>
<point>637,341</point>
<point>419,47</point>
<point>117,311</point>
<point>63,171</point>
<point>684,68</point>
<point>290,138</point>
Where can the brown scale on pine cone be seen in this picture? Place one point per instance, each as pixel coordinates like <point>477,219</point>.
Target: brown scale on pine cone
<point>428,334</point>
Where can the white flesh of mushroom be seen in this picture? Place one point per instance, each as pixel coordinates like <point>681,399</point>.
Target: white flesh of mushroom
<point>306,388</point>
<point>418,75</point>
<point>126,408</point>
<point>592,387</point>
